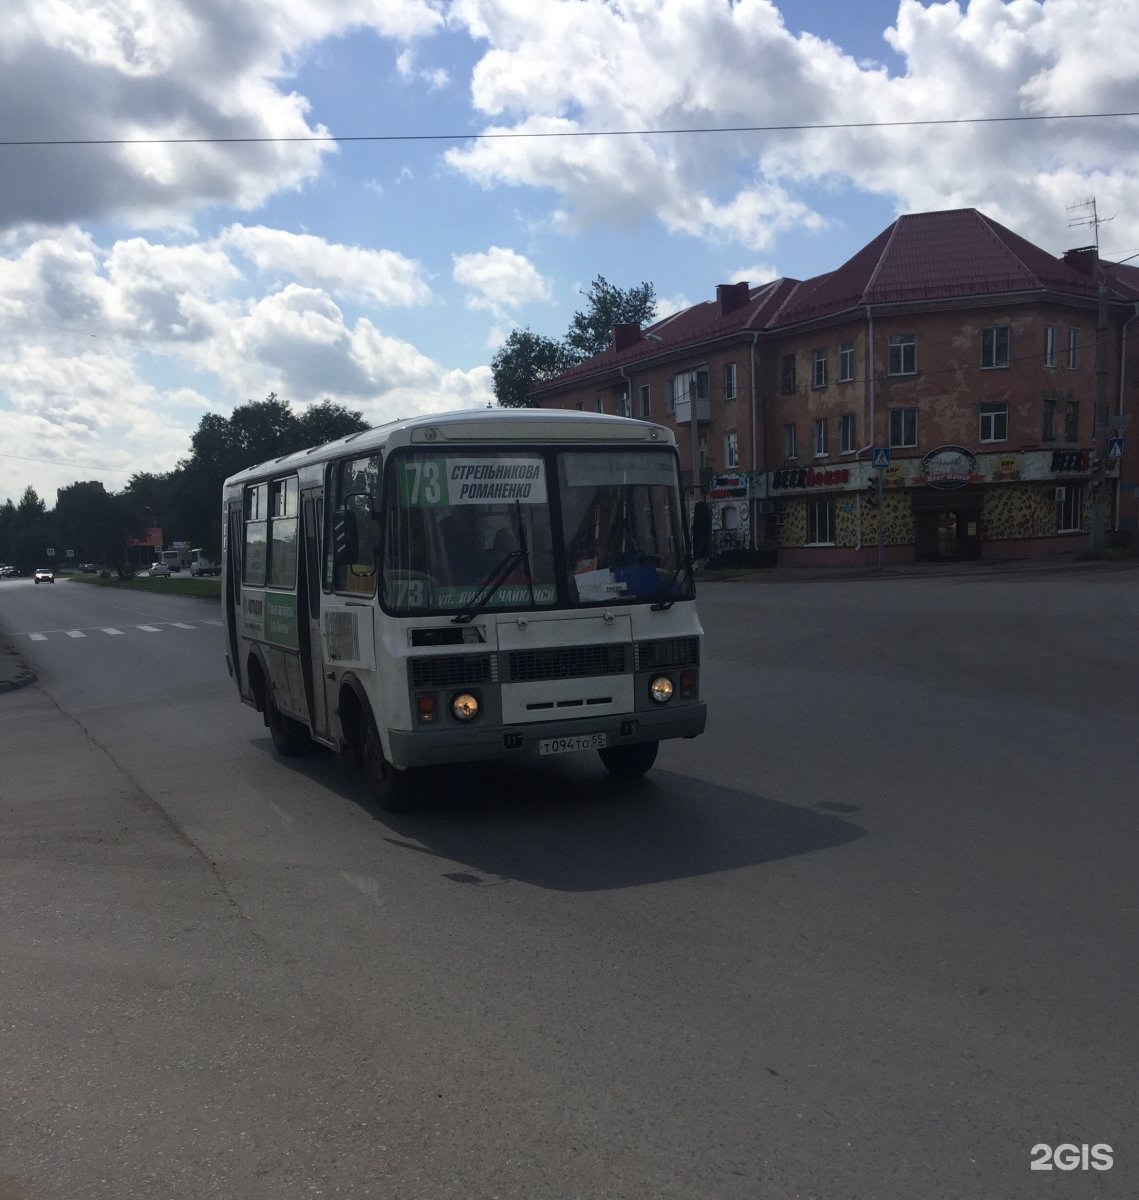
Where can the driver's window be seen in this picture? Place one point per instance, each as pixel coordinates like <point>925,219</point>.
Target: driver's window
<point>357,491</point>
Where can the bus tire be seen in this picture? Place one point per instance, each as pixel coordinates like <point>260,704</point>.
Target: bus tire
<point>290,738</point>
<point>629,762</point>
<point>392,789</point>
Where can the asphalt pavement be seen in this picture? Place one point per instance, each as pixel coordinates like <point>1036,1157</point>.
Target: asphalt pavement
<point>15,672</point>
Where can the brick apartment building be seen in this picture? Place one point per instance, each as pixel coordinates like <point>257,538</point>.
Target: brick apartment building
<point>958,347</point>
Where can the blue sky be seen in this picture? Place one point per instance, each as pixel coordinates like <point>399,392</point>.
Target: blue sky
<point>142,286</point>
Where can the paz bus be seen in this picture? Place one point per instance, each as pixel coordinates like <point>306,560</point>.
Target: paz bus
<point>495,584</point>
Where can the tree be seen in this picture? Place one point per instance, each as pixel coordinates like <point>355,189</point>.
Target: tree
<point>591,332</point>
<point>32,531</point>
<point>93,522</point>
<point>523,360</point>
<point>526,358</point>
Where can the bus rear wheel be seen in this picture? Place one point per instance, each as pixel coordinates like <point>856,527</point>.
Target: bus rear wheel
<point>392,789</point>
<point>290,738</point>
<point>629,762</point>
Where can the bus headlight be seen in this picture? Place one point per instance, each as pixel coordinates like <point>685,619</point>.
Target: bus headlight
<point>661,689</point>
<point>465,707</point>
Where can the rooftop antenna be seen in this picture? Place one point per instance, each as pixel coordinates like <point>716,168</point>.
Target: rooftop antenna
<point>1086,213</point>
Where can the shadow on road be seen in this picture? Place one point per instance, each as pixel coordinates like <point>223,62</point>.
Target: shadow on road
<point>570,827</point>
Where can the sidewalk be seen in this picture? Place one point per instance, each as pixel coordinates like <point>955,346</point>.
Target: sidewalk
<point>15,673</point>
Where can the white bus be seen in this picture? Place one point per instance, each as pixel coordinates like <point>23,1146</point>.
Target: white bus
<point>451,588</point>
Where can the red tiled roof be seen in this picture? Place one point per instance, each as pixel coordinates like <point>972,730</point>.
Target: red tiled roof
<point>937,256</point>
<point>956,254</point>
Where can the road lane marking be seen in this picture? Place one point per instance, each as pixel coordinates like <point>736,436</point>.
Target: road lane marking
<point>149,628</point>
<point>38,637</point>
<point>114,632</point>
<point>182,625</point>
<point>74,633</point>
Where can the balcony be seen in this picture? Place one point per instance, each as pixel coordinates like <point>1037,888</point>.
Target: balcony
<point>683,411</point>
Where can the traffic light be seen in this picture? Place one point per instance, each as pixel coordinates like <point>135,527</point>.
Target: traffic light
<point>871,490</point>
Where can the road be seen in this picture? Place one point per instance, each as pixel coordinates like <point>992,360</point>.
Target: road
<point>873,935</point>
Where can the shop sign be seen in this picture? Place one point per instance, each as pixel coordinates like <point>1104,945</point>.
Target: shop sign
<point>728,487</point>
<point>808,477</point>
<point>948,467</point>
<point>1007,468</point>
<point>1068,461</point>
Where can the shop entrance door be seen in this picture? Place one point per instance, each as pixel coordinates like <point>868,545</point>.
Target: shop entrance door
<point>945,535</point>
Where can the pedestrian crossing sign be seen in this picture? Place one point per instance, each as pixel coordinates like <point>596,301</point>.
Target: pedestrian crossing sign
<point>881,456</point>
<point>1115,447</point>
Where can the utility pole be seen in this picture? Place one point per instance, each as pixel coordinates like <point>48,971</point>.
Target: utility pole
<point>1099,470</point>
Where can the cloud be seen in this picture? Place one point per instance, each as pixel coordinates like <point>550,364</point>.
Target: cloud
<point>500,281</point>
<point>384,277</point>
<point>82,70</point>
<point>572,66</point>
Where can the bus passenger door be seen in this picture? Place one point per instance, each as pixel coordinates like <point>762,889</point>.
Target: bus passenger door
<point>312,664</point>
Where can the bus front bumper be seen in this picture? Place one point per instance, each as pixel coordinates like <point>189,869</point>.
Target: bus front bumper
<point>479,744</point>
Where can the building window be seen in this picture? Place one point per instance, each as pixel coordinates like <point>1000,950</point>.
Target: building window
<point>1049,345</point>
<point>820,522</point>
<point>1049,419</point>
<point>601,406</point>
<point>731,449</point>
<point>1072,421</point>
<point>903,354</point>
<point>845,362</point>
<point>790,448</point>
<point>903,427</point>
<point>1073,349</point>
<point>682,387</point>
<point>580,406</point>
<point>787,375</point>
<point>819,369</point>
<point>821,437</point>
<point>624,406</point>
<point>1071,508</point>
<point>994,347</point>
<point>729,381</point>
<point>703,444</point>
<point>994,422</point>
<point>646,401</point>
<point>848,433</point>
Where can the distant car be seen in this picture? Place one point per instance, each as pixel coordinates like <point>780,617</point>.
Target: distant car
<point>44,575</point>
<point>159,570</point>
<point>88,568</point>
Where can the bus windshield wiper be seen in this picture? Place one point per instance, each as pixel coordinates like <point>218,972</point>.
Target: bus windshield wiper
<point>487,588</point>
<point>666,597</point>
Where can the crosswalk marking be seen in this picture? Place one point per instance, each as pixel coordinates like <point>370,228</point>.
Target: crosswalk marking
<point>113,631</point>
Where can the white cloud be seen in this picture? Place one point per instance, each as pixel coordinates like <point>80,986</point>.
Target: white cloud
<point>382,276</point>
<point>501,281</point>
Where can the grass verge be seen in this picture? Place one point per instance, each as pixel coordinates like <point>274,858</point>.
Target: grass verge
<point>205,588</point>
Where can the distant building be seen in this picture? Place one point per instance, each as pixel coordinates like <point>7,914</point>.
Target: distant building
<point>961,349</point>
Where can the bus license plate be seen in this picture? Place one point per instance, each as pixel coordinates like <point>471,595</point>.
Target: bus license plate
<point>568,745</point>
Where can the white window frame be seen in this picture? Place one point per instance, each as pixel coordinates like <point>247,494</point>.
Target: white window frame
<point>1073,349</point>
<point>994,423</point>
<point>646,400</point>
<point>904,416</point>
<point>1070,514</point>
<point>680,386</point>
<point>790,441</point>
<point>845,362</point>
<point>730,381</point>
<point>995,356</point>
<point>822,437</point>
<point>1050,344</point>
<point>731,449</point>
<point>820,521</point>
<point>819,368</point>
<point>902,354</point>
<point>848,434</point>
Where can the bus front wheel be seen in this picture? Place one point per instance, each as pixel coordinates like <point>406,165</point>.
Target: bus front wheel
<point>629,762</point>
<point>391,788</point>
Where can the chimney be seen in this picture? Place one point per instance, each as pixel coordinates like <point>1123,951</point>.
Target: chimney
<point>625,334</point>
<point>731,296</point>
<point>1083,260</point>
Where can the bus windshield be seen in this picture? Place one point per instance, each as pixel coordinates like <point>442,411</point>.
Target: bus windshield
<point>531,529</point>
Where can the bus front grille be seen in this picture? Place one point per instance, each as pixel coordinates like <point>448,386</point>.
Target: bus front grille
<point>450,670</point>
<point>567,662</point>
<point>668,652</point>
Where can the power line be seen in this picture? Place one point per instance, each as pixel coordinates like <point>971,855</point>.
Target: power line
<point>564,133</point>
